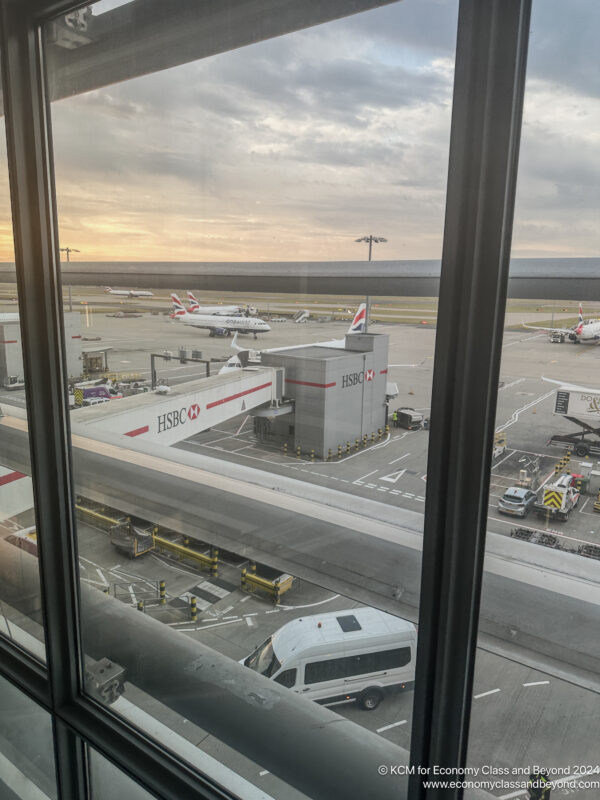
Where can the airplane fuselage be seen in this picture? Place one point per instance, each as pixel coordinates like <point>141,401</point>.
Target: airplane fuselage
<point>129,293</point>
<point>228,323</point>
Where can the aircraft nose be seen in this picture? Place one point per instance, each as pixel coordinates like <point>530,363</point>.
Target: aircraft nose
<point>267,327</point>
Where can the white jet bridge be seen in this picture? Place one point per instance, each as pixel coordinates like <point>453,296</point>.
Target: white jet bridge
<point>187,409</point>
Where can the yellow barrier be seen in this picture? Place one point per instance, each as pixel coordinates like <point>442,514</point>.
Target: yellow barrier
<point>210,562</point>
<point>500,439</point>
<point>98,516</point>
<point>250,582</point>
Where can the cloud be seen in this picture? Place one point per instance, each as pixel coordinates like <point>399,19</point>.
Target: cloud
<point>293,147</point>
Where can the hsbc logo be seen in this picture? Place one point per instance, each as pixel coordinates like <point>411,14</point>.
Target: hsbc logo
<point>354,378</point>
<point>173,419</point>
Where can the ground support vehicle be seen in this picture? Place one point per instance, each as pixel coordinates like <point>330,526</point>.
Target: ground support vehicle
<point>409,418</point>
<point>583,443</point>
<point>556,500</point>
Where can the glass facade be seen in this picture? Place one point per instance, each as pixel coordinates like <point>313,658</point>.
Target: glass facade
<point>26,748</point>
<point>21,620</point>
<point>263,421</point>
<point>544,466</point>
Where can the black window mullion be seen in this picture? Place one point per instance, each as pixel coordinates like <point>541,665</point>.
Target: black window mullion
<point>40,307</point>
<point>486,121</point>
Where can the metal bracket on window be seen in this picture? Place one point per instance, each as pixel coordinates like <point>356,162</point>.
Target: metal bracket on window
<point>104,680</point>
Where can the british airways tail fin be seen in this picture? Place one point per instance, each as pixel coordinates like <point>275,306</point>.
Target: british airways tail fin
<point>178,307</point>
<point>580,313</point>
<point>193,303</point>
<point>358,323</point>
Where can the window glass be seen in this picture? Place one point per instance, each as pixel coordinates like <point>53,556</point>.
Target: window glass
<point>249,447</point>
<point>108,782</point>
<point>536,705</point>
<point>287,677</point>
<point>20,617</point>
<point>320,671</point>
<point>26,748</point>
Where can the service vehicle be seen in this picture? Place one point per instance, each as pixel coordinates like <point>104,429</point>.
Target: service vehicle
<point>517,501</point>
<point>557,499</point>
<point>409,418</point>
<point>358,655</point>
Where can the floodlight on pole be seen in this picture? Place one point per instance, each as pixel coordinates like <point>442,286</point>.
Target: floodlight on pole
<point>370,239</point>
<point>68,251</point>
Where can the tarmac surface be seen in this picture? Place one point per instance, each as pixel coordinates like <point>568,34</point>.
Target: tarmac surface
<point>521,716</point>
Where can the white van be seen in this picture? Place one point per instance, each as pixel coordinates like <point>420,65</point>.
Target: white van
<point>357,655</point>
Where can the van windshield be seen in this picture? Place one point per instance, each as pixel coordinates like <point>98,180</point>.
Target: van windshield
<point>263,659</point>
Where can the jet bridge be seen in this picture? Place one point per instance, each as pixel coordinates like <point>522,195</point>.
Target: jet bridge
<point>187,409</point>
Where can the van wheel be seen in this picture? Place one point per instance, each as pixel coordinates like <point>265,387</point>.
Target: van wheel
<point>582,450</point>
<point>370,699</point>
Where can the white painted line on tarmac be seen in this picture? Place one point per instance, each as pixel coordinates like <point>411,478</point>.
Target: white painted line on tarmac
<point>308,605</point>
<point>513,383</point>
<point>362,478</point>
<point>132,594</point>
<point>101,574</point>
<point>211,588</point>
<point>264,772</point>
<point>587,500</point>
<point>214,625</point>
<point>393,477</point>
<point>249,622</point>
<point>399,459</point>
<point>485,694</point>
<point>512,344</point>
<point>393,725</point>
<point>93,582</point>
<point>243,600</point>
<point>515,415</point>
<point>226,610</point>
<point>503,460</point>
<point>536,683</point>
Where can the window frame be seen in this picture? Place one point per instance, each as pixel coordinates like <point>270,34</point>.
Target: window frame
<point>487,106</point>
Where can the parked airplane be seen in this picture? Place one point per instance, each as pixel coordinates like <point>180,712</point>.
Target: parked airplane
<point>128,292</point>
<point>245,356</point>
<point>356,326</point>
<point>194,307</point>
<point>586,330</point>
<point>216,323</point>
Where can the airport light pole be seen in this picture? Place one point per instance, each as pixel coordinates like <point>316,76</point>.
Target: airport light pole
<point>68,251</point>
<point>370,239</point>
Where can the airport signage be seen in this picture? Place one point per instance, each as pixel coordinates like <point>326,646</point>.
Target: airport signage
<point>173,419</point>
<point>354,378</point>
<point>582,404</point>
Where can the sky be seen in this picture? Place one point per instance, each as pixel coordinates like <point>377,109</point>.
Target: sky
<point>293,148</point>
